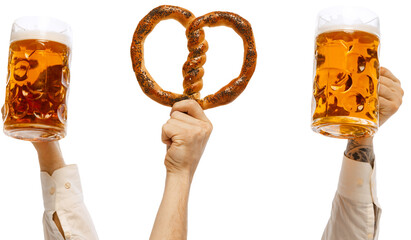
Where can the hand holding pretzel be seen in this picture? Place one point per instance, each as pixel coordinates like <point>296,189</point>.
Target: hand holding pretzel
<point>197,45</point>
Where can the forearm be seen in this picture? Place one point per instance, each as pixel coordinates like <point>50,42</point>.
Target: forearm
<point>50,156</point>
<point>171,220</point>
<point>361,149</point>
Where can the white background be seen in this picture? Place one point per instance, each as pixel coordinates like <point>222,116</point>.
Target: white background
<point>264,174</point>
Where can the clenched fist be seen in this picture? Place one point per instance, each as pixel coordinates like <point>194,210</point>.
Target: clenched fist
<point>186,134</point>
<point>390,94</point>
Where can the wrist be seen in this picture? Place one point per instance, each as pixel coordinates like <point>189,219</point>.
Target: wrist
<point>51,167</point>
<point>50,156</point>
<point>361,149</point>
<point>180,177</point>
<point>363,140</point>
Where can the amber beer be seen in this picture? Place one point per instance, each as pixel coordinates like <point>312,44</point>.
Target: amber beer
<point>346,72</point>
<point>345,101</point>
<point>35,108</point>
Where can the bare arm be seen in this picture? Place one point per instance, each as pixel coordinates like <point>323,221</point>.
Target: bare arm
<point>186,134</point>
<point>171,219</point>
<point>361,149</point>
<point>50,156</point>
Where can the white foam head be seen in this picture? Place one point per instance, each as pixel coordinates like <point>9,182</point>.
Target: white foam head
<point>348,18</point>
<point>41,28</point>
<point>52,36</point>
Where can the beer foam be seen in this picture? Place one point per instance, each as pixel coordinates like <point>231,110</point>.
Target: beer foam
<point>41,35</point>
<point>347,18</point>
<point>359,27</point>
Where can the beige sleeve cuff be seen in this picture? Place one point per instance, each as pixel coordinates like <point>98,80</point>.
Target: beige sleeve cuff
<point>355,213</point>
<point>62,194</point>
<point>357,181</point>
<point>62,189</point>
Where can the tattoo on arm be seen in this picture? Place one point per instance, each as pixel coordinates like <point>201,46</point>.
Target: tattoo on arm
<point>359,151</point>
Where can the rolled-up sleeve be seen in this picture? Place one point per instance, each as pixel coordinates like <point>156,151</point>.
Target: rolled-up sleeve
<point>62,193</point>
<point>355,211</point>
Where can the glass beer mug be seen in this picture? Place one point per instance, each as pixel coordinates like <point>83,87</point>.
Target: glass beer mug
<point>346,73</point>
<point>35,108</point>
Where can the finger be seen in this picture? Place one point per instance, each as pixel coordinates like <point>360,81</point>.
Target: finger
<point>184,117</point>
<point>389,82</point>
<point>190,107</point>
<point>166,134</point>
<point>388,107</point>
<point>383,102</point>
<point>395,87</point>
<point>383,111</point>
<point>386,92</point>
<point>173,128</point>
<point>387,73</point>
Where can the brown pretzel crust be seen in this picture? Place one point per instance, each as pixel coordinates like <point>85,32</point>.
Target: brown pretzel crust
<point>145,26</point>
<point>197,45</point>
<point>243,28</point>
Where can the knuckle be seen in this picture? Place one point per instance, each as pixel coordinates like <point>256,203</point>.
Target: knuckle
<point>399,102</point>
<point>176,104</point>
<point>206,127</point>
<point>198,131</point>
<point>209,127</point>
<point>191,103</point>
<point>174,114</point>
<point>394,106</point>
<point>170,121</point>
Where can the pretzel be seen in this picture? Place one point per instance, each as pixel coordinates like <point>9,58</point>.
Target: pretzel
<point>198,46</point>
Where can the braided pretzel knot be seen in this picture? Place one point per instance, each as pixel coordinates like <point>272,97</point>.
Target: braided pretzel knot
<point>197,45</point>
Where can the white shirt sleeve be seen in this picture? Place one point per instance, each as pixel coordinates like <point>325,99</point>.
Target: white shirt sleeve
<point>62,194</point>
<point>355,211</point>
